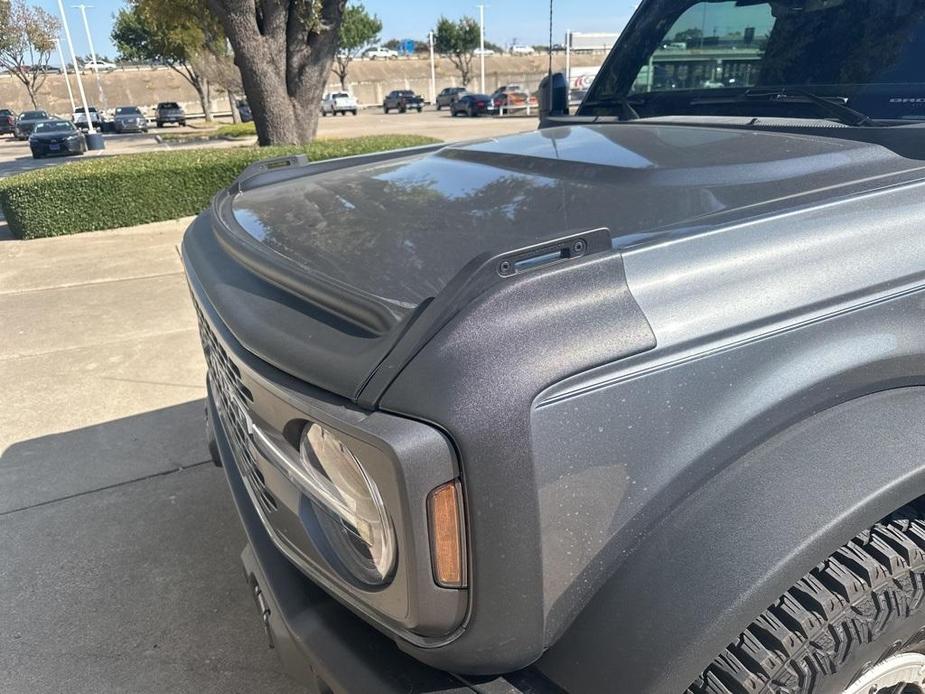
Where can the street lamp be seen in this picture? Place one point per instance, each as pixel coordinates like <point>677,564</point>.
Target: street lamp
<point>94,139</point>
<point>482,47</point>
<point>67,80</point>
<point>433,70</point>
<point>96,70</point>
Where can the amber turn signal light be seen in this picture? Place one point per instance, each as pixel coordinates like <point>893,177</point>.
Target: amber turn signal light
<point>447,543</point>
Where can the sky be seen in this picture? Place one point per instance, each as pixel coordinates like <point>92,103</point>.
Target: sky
<point>527,21</point>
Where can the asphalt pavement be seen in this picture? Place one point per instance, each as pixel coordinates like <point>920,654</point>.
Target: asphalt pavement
<point>120,545</point>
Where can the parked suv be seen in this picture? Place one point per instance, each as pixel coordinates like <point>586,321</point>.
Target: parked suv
<point>449,96</point>
<point>401,100</point>
<point>26,122</point>
<point>634,403</point>
<point>7,121</point>
<point>169,112</point>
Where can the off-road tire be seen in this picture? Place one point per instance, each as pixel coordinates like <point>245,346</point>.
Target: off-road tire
<point>858,607</point>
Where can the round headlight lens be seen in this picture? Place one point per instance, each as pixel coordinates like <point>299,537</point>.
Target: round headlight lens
<point>352,515</point>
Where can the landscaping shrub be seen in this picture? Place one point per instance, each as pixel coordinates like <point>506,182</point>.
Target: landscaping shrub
<point>124,190</point>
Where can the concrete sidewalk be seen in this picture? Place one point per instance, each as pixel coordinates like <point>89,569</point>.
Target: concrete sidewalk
<point>120,544</point>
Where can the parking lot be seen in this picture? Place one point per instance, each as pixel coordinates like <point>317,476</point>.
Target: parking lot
<point>15,156</point>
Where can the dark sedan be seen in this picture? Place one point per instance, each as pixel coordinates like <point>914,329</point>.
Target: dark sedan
<point>471,104</point>
<point>51,137</point>
<point>26,122</point>
<point>7,121</point>
<point>129,119</point>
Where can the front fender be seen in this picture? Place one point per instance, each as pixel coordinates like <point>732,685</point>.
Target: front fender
<point>735,545</point>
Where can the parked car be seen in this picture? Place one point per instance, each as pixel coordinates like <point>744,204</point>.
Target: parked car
<point>379,53</point>
<point>338,102</point>
<point>480,51</point>
<point>47,69</point>
<point>99,66</point>
<point>26,121</point>
<point>244,111</point>
<point>127,119</point>
<point>511,100</point>
<point>7,121</point>
<point>471,104</point>
<point>169,112</point>
<point>56,137</point>
<point>401,100</point>
<point>630,404</point>
<point>522,50</point>
<point>80,117</point>
<point>448,96</point>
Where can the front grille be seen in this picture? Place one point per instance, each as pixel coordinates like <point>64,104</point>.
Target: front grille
<point>232,397</point>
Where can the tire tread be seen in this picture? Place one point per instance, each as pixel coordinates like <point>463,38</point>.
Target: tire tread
<point>844,603</point>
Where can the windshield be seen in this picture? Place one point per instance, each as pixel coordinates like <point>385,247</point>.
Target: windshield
<point>33,115</point>
<point>128,111</point>
<point>691,58</point>
<point>168,104</point>
<point>91,109</point>
<point>54,126</point>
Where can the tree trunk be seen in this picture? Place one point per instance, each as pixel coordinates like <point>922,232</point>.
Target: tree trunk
<point>235,116</point>
<point>284,63</point>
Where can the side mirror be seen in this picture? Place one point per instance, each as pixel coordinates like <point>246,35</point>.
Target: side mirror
<point>552,96</point>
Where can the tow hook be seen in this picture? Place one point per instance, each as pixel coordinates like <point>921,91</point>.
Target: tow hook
<point>264,611</point>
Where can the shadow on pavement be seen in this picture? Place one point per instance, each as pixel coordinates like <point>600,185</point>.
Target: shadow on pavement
<point>48,468</point>
<point>120,577</point>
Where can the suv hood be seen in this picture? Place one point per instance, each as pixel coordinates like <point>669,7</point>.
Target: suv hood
<point>400,229</point>
<point>338,272</point>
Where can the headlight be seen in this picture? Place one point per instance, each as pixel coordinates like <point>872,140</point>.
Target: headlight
<point>351,514</point>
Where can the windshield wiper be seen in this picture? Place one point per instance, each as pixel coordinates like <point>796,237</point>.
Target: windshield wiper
<point>840,112</point>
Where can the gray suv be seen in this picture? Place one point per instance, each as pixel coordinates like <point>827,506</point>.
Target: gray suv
<point>449,96</point>
<point>631,403</point>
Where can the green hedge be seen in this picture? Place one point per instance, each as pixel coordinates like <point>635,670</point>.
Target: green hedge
<point>124,190</point>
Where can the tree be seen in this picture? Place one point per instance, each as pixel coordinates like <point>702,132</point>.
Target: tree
<point>357,30</point>
<point>458,41</point>
<point>27,39</point>
<point>284,50</point>
<point>143,36</point>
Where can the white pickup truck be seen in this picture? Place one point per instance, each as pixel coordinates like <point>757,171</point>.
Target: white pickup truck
<point>338,102</point>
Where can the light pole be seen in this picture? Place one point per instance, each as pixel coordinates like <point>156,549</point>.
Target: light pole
<point>94,141</point>
<point>482,48</point>
<point>433,70</point>
<point>96,70</point>
<point>67,80</point>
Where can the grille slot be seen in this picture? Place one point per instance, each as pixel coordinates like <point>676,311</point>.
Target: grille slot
<point>232,397</point>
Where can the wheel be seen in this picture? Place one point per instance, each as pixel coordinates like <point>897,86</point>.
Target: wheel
<point>182,123</point>
<point>852,625</point>
<point>470,112</point>
<point>324,114</point>
<point>354,112</point>
<point>160,124</point>
<point>439,107</point>
<point>36,155</point>
<point>385,109</point>
<point>402,109</point>
<point>420,108</point>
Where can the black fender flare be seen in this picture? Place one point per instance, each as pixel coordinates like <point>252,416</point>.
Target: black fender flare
<point>720,558</point>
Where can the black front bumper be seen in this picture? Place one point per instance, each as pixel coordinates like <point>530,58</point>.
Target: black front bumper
<point>319,642</point>
<point>44,149</point>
